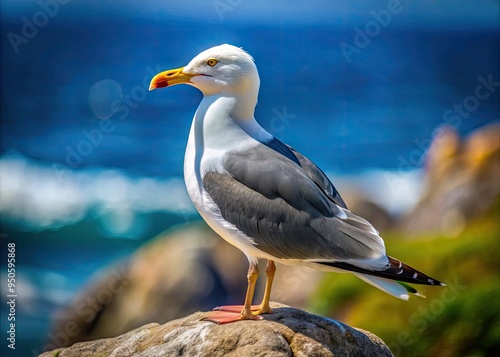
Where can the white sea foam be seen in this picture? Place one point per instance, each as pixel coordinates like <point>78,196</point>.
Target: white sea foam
<point>42,196</point>
<point>397,191</point>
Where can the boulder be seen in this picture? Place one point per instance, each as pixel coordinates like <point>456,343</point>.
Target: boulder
<point>374,213</point>
<point>286,332</point>
<point>461,181</point>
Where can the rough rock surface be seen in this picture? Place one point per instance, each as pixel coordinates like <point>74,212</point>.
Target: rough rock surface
<point>286,332</point>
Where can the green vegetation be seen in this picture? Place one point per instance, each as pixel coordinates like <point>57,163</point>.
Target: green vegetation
<point>461,319</point>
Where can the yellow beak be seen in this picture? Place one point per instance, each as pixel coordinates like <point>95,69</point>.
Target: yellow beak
<point>170,78</point>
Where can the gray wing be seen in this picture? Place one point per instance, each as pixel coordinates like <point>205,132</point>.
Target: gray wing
<point>310,168</point>
<point>319,177</point>
<point>272,200</point>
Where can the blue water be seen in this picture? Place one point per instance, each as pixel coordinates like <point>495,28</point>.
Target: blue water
<point>93,61</point>
<point>347,117</point>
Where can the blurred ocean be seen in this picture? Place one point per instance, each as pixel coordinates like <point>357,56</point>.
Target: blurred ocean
<point>91,162</point>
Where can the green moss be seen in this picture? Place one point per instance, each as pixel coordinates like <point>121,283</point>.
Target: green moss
<point>460,319</point>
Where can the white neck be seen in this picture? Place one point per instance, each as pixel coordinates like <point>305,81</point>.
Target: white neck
<point>219,125</point>
<point>226,122</point>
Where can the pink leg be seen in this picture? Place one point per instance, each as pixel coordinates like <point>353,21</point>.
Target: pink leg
<point>232,313</point>
<point>244,312</point>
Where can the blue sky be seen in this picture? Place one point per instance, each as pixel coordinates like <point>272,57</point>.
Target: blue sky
<point>431,13</point>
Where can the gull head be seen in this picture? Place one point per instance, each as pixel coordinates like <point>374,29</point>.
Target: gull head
<point>223,69</point>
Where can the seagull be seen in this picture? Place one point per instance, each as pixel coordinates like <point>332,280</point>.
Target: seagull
<point>266,198</point>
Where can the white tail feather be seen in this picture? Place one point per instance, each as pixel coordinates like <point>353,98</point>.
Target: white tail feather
<point>389,286</point>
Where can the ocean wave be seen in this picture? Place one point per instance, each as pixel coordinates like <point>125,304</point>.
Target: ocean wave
<point>38,196</point>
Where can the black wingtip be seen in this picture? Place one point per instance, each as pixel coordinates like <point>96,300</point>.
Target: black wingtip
<point>434,281</point>
<point>397,270</point>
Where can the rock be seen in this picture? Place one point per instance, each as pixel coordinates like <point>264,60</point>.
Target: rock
<point>461,181</point>
<point>286,332</point>
<point>356,194</point>
<point>372,212</point>
<point>186,269</point>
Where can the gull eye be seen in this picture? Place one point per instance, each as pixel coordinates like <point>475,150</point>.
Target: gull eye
<point>212,62</point>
